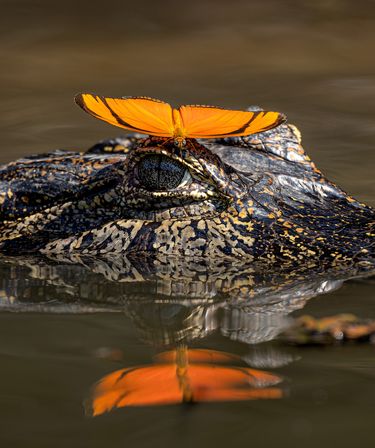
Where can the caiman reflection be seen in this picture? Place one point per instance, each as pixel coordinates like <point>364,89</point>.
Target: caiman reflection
<point>174,305</point>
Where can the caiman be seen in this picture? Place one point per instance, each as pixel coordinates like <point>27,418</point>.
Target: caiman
<point>253,198</point>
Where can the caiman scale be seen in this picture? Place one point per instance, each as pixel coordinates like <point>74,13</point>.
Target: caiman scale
<point>254,198</point>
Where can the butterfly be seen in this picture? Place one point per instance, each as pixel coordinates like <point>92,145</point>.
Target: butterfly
<point>155,117</point>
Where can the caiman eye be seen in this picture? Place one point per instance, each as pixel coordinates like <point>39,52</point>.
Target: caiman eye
<point>157,172</point>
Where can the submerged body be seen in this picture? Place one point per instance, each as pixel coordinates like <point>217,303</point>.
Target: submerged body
<point>257,198</point>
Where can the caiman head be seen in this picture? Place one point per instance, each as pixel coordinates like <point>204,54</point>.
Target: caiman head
<point>241,198</point>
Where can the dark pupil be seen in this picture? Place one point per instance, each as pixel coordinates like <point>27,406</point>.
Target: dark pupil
<point>160,173</point>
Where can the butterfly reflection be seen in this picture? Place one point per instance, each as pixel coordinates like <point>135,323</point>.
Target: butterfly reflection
<point>182,376</point>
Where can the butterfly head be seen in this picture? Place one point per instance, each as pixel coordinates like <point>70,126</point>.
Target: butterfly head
<point>180,142</point>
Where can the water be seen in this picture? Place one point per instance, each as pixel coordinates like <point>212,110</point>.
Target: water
<point>311,60</point>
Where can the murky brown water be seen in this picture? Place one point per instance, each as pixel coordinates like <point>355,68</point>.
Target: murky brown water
<point>312,60</point>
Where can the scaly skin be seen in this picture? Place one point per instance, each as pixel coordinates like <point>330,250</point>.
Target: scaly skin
<point>257,198</point>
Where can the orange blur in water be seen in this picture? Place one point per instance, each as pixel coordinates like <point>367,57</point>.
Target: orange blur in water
<point>186,376</point>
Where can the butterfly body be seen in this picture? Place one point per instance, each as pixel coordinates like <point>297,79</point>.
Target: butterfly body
<point>178,130</point>
<point>157,118</point>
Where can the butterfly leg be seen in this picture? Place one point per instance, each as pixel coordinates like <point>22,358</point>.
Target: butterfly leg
<point>176,145</point>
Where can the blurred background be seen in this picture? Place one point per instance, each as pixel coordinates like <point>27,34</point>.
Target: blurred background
<point>313,60</point>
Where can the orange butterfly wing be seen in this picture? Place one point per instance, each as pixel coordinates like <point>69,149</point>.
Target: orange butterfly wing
<point>212,122</point>
<point>139,114</point>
